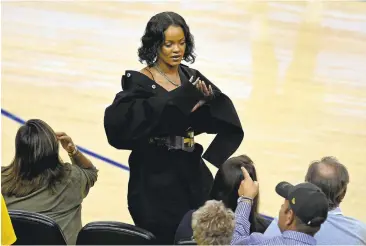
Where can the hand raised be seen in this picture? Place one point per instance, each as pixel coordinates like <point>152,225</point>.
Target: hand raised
<point>248,187</point>
<point>201,86</point>
<point>66,141</point>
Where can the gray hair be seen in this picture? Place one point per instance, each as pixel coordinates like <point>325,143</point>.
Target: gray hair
<point>213,224</point>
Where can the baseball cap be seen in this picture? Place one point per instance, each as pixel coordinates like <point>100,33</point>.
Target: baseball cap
<point>307,200</point>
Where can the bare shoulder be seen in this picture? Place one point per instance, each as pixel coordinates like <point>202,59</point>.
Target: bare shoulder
<point>147,71</point>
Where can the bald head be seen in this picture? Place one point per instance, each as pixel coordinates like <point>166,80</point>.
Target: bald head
<point>326,170</point>
<point>331,176</point>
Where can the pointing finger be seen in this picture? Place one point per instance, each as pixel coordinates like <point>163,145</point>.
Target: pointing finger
<point>245,173</point>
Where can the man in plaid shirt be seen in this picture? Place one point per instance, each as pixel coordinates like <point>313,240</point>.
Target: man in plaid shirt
<point>304,209</point>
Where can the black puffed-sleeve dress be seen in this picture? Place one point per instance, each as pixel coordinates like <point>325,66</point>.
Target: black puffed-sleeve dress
<point>165,183</point>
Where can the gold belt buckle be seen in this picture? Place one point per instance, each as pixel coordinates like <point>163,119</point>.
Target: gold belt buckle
<point>188,140</point>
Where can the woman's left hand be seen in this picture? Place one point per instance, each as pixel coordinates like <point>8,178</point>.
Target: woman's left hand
<point>66,141</point>
<point>201,86</point>
<point>207,91</point>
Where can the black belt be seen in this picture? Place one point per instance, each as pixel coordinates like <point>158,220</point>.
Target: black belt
<point>176,142</point>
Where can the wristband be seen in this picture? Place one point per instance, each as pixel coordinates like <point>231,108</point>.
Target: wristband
<point>245,199</point>
<point>73,152</point>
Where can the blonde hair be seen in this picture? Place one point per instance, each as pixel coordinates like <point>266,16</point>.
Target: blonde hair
<point>213,224</point>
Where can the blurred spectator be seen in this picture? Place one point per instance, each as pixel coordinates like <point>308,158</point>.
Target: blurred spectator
<point>304,210</point>
<point>38,181</point>
<point>332,178</point>
<point>213,224</point>
<point>225,189</point>
<point>8,236</point>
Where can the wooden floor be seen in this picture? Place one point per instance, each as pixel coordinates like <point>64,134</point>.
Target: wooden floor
<point>295,71</point>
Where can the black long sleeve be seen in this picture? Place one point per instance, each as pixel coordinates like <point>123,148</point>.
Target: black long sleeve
<point>136,114</point>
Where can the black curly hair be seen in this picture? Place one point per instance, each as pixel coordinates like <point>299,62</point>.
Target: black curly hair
<point>154,37</point>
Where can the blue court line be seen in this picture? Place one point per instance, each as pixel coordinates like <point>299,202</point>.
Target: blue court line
<point>82,149</point>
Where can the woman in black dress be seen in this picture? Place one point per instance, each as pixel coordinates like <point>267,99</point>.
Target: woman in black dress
<point>156,115</point>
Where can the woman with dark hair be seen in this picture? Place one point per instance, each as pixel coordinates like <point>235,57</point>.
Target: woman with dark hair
<point>37,180</point>
<point>158,113</point>
<point>225,189</point>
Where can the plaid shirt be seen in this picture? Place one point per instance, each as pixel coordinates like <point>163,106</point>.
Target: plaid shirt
<point>242,234</point>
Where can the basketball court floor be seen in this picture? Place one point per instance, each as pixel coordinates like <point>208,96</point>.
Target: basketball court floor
<point>295,71</point>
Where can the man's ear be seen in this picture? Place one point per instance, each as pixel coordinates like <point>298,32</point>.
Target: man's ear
<point>341,196</point>
<point>290,216</point>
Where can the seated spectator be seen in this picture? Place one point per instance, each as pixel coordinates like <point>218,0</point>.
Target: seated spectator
<point>213,224</point>
<point>304,210</point>
<point>225,189</point>
<point>332,178</point>
<point>38,181</point>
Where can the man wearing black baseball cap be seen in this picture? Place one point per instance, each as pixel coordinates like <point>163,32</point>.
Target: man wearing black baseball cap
<point>304,209</point>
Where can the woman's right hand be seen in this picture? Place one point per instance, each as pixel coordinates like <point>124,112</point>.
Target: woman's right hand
<point>199,104</point>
